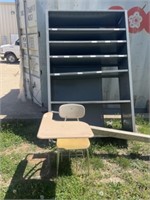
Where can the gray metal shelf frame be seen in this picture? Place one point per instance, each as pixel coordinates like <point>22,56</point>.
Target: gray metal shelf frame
<point>84,48</point>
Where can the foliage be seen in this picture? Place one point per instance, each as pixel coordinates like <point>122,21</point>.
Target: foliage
<point>143,124</point>
<point>28,168</point>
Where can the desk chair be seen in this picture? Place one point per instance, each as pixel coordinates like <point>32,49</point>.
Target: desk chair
<point>72,112</point>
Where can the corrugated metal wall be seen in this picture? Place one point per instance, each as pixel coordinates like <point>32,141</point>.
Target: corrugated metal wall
<point>8,22</point>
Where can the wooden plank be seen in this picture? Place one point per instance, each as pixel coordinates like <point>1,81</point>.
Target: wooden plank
<point>108,132</point>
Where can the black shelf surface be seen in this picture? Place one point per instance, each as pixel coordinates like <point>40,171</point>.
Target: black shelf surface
<point>87,47</point>
<point>86,19</point>
<point>81,34</point>
<point>105,60</point>
<point>87,41</point>
<point>87,29</point>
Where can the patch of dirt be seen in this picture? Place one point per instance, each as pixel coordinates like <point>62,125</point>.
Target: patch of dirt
<point>22,148</point>
<point>36,158</point>
<point>41,164</point>
<point>5,183</point>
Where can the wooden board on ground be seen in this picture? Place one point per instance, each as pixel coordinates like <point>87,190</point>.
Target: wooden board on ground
<point>108,132</point>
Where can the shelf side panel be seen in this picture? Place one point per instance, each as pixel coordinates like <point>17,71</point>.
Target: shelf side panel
<point>126,117</point>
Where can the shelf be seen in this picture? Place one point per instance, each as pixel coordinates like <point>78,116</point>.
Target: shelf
<point>107,73</point>
<point>87,56</point>
<point>93,102</point>
<point>87,47</point>
<point>82,34</point>
<point>86,19</point>
<point>58,61</point>
<point>87,29</point>
<point>88,42</point>
<point>88,63</point>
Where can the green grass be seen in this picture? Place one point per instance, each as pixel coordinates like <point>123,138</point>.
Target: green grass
<point>123,162</point>
<point>113,123</point>
<point>28,168</point>
<point>143,124</point>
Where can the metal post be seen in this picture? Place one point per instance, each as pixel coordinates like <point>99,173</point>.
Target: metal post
<point>21,53</point>
<point>28,55</point>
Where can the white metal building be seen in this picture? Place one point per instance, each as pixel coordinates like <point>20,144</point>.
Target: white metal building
<point>8,23</point>
<point>139,34</point>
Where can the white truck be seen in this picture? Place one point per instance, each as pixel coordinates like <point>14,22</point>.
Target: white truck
<point>10,52</point>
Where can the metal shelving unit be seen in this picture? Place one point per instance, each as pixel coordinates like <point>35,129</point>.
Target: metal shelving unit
<point>83,49</point>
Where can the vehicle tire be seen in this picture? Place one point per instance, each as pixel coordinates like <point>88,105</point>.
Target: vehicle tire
<point>11,58</point>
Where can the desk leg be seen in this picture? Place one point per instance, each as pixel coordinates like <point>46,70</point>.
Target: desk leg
<point>57,167</point>
<point>87,152</point>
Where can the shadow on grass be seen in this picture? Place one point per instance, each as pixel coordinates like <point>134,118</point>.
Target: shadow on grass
<point>32,182</point>
<point>111,144</point>
<point>130,156</point>
<point>25,129</point>
<point>35,176</point>
<point>119,143</point>
<point>28,129</point>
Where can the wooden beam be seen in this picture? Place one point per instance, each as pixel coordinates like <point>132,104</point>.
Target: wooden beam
<point>108,132</point>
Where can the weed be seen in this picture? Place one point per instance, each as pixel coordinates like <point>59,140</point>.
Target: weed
<point>144,129</point>
<point>96,163</point>
<point>9,139</point>
<point>110,149</point>
<point>113,123</point>
<point>143,124</point>
<point>123,162</point>
<point>69,188</point>
<point>140,120</point>
<point>114,173</point>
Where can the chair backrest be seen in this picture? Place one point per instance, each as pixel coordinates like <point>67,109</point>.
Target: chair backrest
<point>71,111</point>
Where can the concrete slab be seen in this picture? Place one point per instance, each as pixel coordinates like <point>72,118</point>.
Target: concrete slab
<point>10,106</point>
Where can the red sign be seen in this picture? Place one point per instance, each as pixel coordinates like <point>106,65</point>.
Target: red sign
<point>137,18</point>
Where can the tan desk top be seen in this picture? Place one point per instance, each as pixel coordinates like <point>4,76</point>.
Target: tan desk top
<point>51,129</point>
